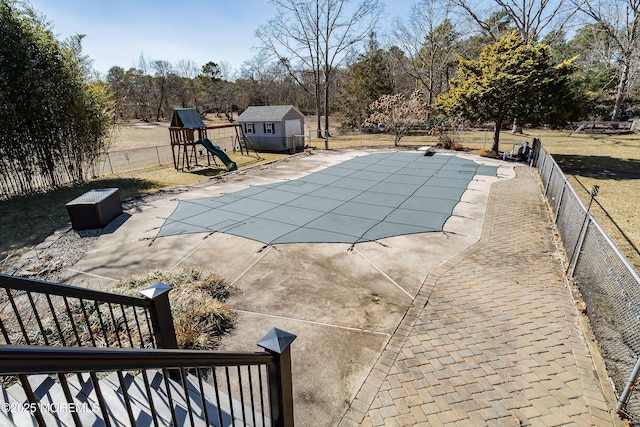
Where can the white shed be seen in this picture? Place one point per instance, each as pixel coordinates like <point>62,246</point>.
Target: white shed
<point>277,128</point>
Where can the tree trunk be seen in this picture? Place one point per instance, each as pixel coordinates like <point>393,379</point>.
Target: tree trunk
<point>159,110</point>
<point>327,71</point>
<point>326,109</point>
<point>316,68</point>
<point>162,94</point>
<point>319,130</point>
<point>496,136</point>
<point>516,127</point>
<point>622,88</point>
<point>318,118</point>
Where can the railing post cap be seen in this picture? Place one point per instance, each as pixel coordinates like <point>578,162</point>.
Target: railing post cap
<point>276,340</point>
<point>156,290</point>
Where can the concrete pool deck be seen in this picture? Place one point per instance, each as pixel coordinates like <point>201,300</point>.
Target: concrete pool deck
<point>474,325</point>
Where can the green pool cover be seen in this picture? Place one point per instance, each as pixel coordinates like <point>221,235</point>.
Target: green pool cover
<point>363,199</point>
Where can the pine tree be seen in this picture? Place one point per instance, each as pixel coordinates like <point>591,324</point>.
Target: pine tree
<point>364,82</point>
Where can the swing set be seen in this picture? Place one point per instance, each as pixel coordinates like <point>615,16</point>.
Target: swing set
<point>190,141</point>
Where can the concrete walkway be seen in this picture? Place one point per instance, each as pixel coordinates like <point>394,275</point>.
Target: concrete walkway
<point>493,336</point>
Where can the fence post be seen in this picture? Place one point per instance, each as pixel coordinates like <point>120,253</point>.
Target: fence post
<point>624,397</point>
<point>583,232</point>
<point>573,260</point>
<point>277,342</point>
<point>560,197</point>
<point>548,183</point>
<point>163,329</point>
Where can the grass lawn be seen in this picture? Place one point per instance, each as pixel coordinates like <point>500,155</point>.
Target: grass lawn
<point>612,162</point>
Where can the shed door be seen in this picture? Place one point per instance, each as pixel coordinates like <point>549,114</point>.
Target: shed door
<point>292,127</point>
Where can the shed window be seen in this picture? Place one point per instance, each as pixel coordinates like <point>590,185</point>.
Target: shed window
<point>268,128</point>
<point>248,128</point>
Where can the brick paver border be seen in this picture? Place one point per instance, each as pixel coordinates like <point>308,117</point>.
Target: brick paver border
<point>388,398</point>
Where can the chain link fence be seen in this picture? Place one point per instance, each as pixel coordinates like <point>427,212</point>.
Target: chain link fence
<point>113,162</point>
<point>606,280</point>
<point>123,161</point>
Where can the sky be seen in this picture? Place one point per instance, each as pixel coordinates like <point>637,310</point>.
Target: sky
<point>119,31</point>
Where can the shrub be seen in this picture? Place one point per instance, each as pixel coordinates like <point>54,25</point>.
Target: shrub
<point>487,153</point>
<point>447,133</point>
<point>198,297</point>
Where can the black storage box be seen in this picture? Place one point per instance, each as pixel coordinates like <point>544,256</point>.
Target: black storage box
<point>95,208</point>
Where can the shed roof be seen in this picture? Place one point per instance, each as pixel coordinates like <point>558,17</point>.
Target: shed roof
<point>270,113</point>
<point>186,118</point>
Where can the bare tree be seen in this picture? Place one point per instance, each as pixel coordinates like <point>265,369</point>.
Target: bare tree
<point>429,40</point>
<point>187,69</point>
<point>257,80</point>
<point>531,18</point>
<point>161,69</point>
<point>317,35</point>
<point>226,71</point>
<point>143,64</point>
<point>398,64</point>
<point>620,20</point>
<point>593,46</point>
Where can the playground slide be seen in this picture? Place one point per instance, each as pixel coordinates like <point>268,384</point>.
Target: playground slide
<point>231,165</point>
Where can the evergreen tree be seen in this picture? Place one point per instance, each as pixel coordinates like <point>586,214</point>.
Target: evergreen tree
<point>364,82</point>
<point>599,72</point>
<point>512,80</point>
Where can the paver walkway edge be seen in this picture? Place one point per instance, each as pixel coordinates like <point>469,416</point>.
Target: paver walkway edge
<point>493,336</point>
